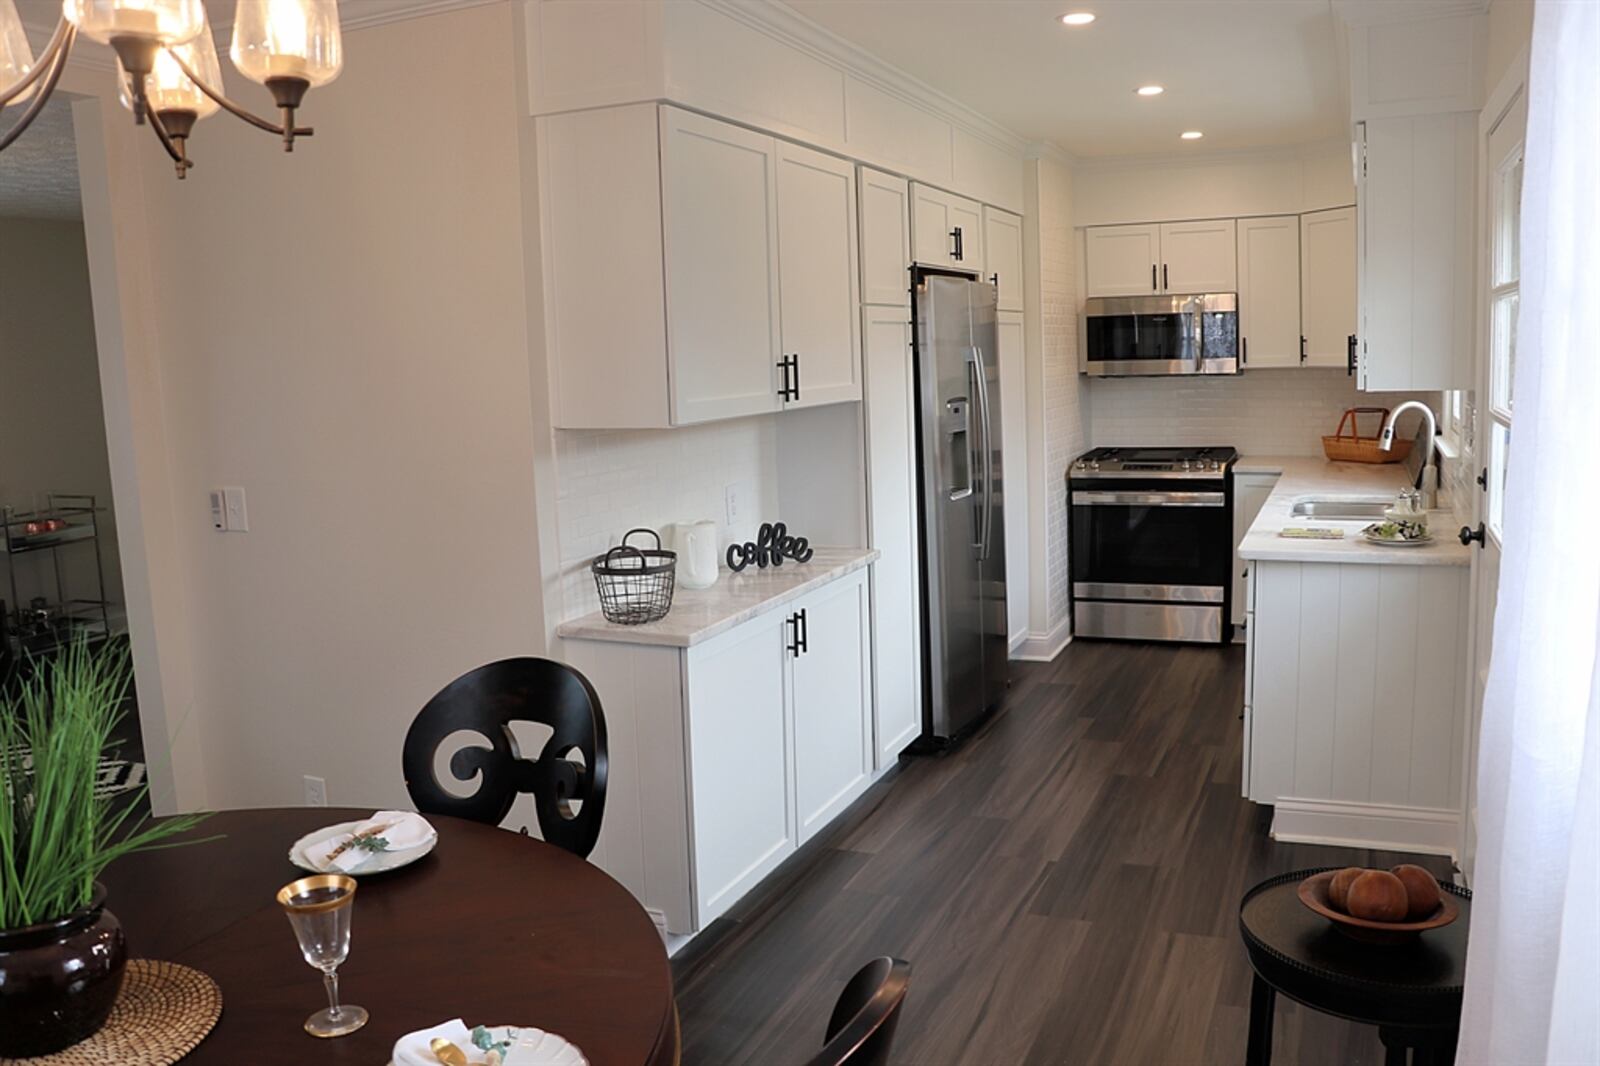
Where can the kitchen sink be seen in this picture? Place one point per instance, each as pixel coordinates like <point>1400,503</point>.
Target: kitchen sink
<point>1341,510</point>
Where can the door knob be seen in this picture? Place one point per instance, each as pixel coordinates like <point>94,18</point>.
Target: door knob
<point>1468,535</point>
<point>1483,479</point>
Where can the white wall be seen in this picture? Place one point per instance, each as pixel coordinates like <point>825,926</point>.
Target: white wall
<point>1170,188</point>
<point>342,332</point>
<point>52,428</point>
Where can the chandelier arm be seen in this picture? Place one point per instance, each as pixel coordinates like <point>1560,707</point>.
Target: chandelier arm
<point>231,107</point>
<point>36,105</point>
<point>161,130</point>
<point>60,41</point>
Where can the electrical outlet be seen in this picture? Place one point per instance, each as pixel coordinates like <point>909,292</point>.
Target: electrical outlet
<point>316,791</point>
<point>237,517</point>
<point>219,512</point>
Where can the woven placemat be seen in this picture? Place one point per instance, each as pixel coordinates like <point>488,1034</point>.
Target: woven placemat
<point>162,1012</point>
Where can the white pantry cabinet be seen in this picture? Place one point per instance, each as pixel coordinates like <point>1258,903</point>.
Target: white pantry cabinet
<point>1250,492</point>
<point>1002,251</point>
<point>729,753</point>
<point>885,238</point>
<point>1167,257</point>
<point>892,529</point>
<point>1012,358</point>
<point>946,229</point>
<point>1328,285</point>
<point>671,291</point>
<point>1269,291</point>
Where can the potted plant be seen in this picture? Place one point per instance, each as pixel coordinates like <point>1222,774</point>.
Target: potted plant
<point>61,951</point>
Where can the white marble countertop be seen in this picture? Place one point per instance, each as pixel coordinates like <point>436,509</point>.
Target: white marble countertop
<point>698,614</point>
<point>1304,477</point>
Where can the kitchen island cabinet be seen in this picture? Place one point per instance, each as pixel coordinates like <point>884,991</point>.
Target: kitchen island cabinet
<point>1355,712</point>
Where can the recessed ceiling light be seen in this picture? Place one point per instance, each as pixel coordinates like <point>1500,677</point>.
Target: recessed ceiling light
<point>1150,90</point>
<point>1078,18</point>
<point>1191,135</point>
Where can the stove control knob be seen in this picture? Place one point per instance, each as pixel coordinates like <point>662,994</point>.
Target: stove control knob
<point>1094,465</point>
<point>1184,465</point>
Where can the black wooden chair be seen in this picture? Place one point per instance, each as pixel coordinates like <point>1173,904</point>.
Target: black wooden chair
<point>486,701</point>
<point>864,1018</point>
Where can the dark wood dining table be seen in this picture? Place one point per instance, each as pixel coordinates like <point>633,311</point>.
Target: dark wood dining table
<point>492,927</point>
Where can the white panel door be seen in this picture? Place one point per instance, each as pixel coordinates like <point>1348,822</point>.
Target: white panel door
<point>892,530</point>
<point>885,238</point>
<point>817,275</point>
<point>946,230</point>
<point>1199,256</point>
<point>1014,480</point>
<point>1328,285</point>
<point>831,709</point>
<point>720,238</point>
<point>1002,250</point>
<point>1250,491</point>
<point>1269,291</point>
<point>739,761</point>
<point>1122,260</point>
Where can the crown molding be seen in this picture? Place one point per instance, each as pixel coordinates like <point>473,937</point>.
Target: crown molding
<point>782,22</point>
<point>405,10</point>
<point>1377,12</point>
<point>1052,151</point>
<point>1179,160</point>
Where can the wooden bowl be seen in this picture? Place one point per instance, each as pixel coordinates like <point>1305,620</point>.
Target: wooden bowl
<point>1314,894</point>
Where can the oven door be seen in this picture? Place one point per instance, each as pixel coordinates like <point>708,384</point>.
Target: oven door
<point>1151,563</point>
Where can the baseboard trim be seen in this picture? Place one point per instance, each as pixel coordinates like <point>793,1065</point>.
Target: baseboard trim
<point>1041,648</point>
<point>1427,830</point>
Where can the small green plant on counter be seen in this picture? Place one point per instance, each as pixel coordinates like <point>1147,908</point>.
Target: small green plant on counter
<point>56,835</point>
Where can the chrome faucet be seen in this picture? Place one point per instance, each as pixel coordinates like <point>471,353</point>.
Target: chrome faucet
<point>1430,473</point>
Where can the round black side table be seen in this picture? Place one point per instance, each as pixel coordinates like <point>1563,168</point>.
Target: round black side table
<point>1410,991</point>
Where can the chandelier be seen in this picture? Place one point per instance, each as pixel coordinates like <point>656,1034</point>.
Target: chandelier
<point>167,69</point>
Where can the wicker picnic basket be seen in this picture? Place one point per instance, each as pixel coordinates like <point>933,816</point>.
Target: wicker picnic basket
<point>1358,449</point>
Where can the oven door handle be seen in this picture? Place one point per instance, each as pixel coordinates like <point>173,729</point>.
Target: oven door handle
<point>1148,499</point>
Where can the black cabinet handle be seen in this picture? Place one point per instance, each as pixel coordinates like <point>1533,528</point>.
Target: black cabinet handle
<point>1153,286</point>
<point>1302,349</point>
<point>794,361</point>
<point>793,622</point>
<point>1244,350</point>
<point>1350,356</point>
<point>803,633</point>
<point>956,234</point>
<point>1483,479</point>
<point>1468,535</point>
<point>1165,284</point>
<point>994,279</point>
<point>784,389</point>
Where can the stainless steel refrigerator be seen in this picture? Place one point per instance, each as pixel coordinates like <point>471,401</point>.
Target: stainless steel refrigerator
<point>961,481</point>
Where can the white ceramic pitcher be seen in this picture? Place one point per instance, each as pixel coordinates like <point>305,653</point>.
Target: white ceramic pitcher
<point>696,544</point>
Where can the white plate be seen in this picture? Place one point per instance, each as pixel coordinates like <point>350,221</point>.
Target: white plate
<point>1396,542</point>
<point>550,1049</point>
<point>378,862</point>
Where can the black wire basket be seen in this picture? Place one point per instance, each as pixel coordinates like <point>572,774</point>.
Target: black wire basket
<point>636,583</point>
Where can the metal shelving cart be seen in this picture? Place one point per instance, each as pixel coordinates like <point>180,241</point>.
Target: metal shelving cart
<point>44,624</point>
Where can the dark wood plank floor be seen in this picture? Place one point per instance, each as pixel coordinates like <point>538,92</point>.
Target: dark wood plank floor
<point>1065,886</point>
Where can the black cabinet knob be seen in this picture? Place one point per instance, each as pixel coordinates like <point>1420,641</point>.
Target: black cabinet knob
<point>1483,479</point>
<point>1468,535</point>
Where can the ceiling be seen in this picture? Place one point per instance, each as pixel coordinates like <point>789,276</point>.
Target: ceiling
<point>1248,73</point>
<point>39,174</point>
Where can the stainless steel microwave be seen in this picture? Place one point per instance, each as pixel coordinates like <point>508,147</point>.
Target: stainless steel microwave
<point>1142,336</point>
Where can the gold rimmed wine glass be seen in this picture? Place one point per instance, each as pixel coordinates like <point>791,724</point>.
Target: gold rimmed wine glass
<point>319,910</point>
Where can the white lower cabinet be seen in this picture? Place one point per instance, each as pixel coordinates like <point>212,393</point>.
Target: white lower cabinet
<point>727,755</point>
<point>1250,491</point>
<point>1014,477</point>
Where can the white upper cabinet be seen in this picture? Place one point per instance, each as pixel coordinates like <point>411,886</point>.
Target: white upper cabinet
<point>1123,260</point>
<point>885,239</point>
<point>1269,291</point>
<point>1414,201</point>
<point>1327,285</point>
<point>720,233</point>
<point>1199,257</point>
<point>1002,251</point>
<point>946,229</point>
<point>818,276</point>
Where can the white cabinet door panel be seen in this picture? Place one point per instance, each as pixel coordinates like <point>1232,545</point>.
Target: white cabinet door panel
<point>1123,260</point>
<point>885,239</point>
<point>817,274</point>
<point>740,766</point>
<point>1002,249</point>
<point>1250,491</point>
<point>1199,256</point>
<point>719,220</point>
<point>831,702</point>
<point>946,230</point>
<point>1328,284</point>
<point>892,529</point>
<point>1014,477</point>
<point>1269,291</point>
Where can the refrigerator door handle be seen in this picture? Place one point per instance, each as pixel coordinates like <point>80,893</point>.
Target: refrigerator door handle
<point>987,443</point>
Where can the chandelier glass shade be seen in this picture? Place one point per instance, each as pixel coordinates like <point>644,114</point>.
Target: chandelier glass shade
<point>168,73</point>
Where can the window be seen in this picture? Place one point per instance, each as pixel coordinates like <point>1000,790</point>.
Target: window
<point>1504,296</point>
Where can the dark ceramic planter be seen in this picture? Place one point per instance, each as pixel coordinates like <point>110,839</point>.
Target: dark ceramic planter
<point>58,980</point>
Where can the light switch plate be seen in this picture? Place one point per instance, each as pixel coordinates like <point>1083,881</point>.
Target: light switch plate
<point>730,500</point>
<point>237,516</point>
<point>219,513</point>
<point>316,791</point>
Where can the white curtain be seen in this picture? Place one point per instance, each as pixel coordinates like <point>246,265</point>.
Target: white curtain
<point>1533,961</point>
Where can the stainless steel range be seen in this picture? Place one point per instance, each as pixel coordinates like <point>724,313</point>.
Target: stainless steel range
<point>1152,543</point>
